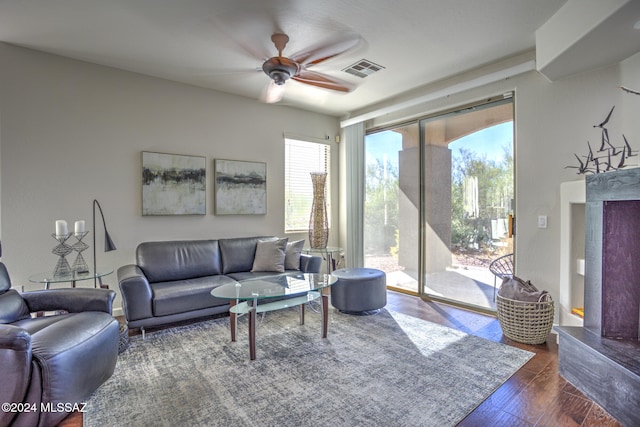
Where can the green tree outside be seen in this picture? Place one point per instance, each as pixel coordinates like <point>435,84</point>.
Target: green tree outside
<point>471,231</point>
<point>381,206</point>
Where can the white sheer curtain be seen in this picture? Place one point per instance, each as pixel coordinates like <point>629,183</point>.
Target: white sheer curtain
<point>354,191</point>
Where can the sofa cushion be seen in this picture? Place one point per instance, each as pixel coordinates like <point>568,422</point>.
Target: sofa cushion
<point>186,295</point>
<point>12,307</point>
<point>36,324</point>
<point>238,254</point>
<point>292,255</point>
<point>178,260</point>
<point>270,255</point>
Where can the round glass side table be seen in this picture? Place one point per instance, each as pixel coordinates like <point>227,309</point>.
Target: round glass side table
<point>329,254</point>
<point>47,278</point>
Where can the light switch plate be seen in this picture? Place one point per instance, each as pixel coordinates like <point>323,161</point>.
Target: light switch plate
<point>542,221</point>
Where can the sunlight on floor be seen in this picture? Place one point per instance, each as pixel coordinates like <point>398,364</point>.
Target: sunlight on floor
<point>437,342</point>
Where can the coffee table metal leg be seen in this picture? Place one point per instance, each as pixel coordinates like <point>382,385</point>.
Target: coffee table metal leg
<point>301,314</point>
<point>233,320</point>
<point>252,333</point>
<point>325,314</point>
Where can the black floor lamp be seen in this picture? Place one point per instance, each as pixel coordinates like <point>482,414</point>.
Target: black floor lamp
<point>108,243</point>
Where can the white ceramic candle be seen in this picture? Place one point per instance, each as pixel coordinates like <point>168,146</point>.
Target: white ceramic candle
<point>61,228</point>
<point>79,227</point>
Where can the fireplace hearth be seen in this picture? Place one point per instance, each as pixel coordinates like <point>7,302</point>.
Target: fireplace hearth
<point>602,359</point>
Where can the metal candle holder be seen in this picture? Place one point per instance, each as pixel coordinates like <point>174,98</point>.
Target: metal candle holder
<point>62,250</point>
<point>80,265</point>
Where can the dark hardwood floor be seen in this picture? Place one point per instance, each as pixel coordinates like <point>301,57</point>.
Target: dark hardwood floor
<point>535,396</point>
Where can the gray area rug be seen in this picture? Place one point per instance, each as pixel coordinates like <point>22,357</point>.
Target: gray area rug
<point>387,369</point>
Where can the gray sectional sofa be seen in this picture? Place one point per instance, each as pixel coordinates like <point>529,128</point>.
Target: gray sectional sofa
<point>172,280</point>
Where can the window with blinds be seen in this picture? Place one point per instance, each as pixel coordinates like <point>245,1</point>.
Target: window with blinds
<point>302,158</point>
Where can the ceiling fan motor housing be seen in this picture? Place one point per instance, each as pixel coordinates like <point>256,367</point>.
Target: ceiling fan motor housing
<point>280,69</point>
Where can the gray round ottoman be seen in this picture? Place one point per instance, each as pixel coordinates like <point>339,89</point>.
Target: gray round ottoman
<point>359,290</point>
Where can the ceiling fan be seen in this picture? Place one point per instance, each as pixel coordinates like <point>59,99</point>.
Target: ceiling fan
<point>280,68</point>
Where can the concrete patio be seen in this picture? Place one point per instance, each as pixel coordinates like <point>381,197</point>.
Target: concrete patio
<point>468,285</point>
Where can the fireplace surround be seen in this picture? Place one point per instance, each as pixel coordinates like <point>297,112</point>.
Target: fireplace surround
<point>602,358</point>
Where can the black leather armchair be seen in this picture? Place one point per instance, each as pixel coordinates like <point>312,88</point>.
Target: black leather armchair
<point>49,364</point>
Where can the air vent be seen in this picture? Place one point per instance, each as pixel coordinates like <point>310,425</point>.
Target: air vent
<point>363,68</point>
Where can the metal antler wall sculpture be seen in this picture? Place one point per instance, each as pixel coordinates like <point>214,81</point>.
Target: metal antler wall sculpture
<point>608,157</point>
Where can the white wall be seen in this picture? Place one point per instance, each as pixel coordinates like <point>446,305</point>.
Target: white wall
<point>554,120</point>
<point>630,104</point>
<point>73,131</point>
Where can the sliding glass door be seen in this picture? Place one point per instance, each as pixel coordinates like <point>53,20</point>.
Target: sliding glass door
<point>438,196</point>
<point>391,211</point>
<point>467,199</point>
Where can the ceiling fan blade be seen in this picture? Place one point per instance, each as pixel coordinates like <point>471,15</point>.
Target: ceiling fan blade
<point>246,71</point>
<point>328,50</point>
<point>245,28</point>
<point>320,80</point>
<point>272,93</point>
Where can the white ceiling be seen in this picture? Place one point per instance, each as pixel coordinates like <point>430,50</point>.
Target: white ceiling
<point>219,44</point>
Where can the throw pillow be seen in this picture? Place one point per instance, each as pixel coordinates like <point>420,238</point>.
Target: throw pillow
<point>270,255</point>
<point>292,255</point>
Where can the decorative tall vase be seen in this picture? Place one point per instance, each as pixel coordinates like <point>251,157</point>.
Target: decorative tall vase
<point>318,223</point>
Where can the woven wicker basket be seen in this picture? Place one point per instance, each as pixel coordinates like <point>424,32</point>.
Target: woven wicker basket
<point>525,322</point>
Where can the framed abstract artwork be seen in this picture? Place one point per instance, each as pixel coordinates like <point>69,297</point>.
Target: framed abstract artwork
<point>173,184</point>
<point>240,187</point>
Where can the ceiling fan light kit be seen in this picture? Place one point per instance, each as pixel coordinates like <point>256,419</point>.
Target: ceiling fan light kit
<point>280,69</point>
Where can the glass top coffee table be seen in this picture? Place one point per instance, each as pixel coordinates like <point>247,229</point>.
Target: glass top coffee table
<point>288,290</point>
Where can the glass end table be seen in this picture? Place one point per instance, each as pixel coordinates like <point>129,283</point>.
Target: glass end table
<point>48,277</point>
<point>329,254</point>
